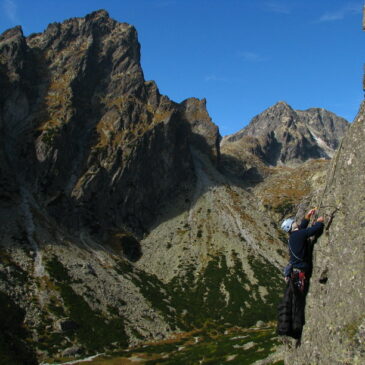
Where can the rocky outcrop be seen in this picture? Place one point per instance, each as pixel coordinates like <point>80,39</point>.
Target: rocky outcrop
<point>335,313</point>
<point>281,135</point>
<point>206,135</point>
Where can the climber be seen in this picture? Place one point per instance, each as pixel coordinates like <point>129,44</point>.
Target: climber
<point>297,273</point>
<point>298,242</point>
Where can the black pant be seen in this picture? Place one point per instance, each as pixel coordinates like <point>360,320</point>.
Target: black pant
<point>291,309</point>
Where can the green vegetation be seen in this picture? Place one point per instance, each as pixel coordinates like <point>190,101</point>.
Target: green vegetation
<point>50,134</point>
<point>57,310</point>
<point>206,303</point>
<point>352,329</point>
<point>50,342</point>
<point>218,295</point>
<point>92,329</point>
<point>215,350</point>
<point>14,349</point>
<point>270,277</point>
<point>234,346</point>
<point>217,298</point>
<point>57,271</point>
<point>285,207</point>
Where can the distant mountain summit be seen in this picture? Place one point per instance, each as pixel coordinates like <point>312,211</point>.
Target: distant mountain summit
<point>281,135</point>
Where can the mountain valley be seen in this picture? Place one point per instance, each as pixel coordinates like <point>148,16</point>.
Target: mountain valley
<point>127,219</point>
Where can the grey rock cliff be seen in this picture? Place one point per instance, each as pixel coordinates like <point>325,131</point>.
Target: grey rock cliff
<point>335,313</point>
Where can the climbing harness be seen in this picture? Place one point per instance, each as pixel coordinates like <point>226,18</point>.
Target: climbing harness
<point>298,277</point>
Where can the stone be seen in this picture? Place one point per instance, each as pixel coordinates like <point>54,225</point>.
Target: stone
<point>65,325</point>
<point>260,324</point>
<point>72,351</point>
<point>88,269</point>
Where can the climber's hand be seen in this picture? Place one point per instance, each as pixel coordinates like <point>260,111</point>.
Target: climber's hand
<point>320,219</point>
<point>309,214</point>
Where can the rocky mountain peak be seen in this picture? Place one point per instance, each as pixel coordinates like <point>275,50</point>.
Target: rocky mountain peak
<point>12,33</point>
<point>13,52</point>
<point>286,136</point>
<point>280,106</point>
<point>77,101</point>
<point>277,116</point>
<point>205,132</point>
<point>98,14</point>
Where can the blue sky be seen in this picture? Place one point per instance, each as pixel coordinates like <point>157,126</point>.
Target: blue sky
<point>241,55</point>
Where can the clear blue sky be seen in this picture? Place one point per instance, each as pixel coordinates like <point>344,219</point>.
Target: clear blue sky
<point>241,55</point>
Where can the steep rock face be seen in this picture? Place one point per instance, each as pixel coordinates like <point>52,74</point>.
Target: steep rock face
<point>205,133</point>
<point>335,313</point>
<point>281,135</point>
<point>86,132</point>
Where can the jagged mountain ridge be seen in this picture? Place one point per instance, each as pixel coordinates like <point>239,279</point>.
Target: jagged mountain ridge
<point>281,135</point>
<point>115,219</point>
<point>77,96</point>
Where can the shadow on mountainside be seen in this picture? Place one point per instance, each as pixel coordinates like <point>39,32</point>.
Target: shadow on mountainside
<point>126,202</point>
<point>238,173</point>
<point>146,188</point>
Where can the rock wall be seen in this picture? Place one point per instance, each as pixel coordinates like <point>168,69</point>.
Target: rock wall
<point>335,314</point>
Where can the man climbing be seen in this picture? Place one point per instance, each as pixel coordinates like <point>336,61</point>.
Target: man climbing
<point>297,273</point>
<point>298,240</point>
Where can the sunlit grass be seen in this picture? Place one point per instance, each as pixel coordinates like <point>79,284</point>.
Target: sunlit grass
<point>233,346</point>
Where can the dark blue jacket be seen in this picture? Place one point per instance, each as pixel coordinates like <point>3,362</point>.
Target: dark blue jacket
<point>298,244</point>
